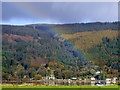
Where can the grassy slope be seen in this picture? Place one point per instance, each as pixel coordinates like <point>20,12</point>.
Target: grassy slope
<point>84,40</point>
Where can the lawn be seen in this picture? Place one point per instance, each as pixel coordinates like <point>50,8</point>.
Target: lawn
<point>112,86</point>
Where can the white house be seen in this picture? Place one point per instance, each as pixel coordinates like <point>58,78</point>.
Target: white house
<point>98,72</point>
<point>108,80</point>
<point>51,77</point>
<point>114,80</point>
<point>74,78</point>
<point>92,78</point>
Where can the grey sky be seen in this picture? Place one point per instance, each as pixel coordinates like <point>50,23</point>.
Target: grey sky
<point>59,12</point>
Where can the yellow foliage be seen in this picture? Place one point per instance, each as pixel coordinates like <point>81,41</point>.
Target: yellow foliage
<point>38,77</point>
<point>48,68</point>
<point>52,64</point>
<point>61,66</point>
<point>84,40</point>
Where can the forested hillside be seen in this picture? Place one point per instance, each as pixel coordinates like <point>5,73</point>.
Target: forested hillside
<point>82,27</point>
<point>68,50</point>
<point>85,40</point>
<point>106,55</point>
<point>34,49</point>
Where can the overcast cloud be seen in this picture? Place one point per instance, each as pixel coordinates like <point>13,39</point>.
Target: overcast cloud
<point>59,12</point>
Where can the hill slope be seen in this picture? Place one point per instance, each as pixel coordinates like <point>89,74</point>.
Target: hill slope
<point>63,50</point>
<point>84,40</point>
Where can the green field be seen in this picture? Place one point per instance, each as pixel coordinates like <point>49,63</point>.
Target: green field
<point>113,86</point>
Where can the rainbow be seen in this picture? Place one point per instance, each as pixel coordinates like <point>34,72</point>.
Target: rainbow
<point>28,10</point>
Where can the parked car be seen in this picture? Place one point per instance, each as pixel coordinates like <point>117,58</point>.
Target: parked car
<point>100,83</point>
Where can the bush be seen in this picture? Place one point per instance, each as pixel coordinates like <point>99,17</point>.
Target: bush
<point>38,77</point>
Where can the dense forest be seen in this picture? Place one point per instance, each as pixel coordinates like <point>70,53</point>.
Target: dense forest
<point>77,27</point>
<point>36,51</point>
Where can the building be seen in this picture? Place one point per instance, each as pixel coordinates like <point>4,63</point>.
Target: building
<point>108,80</point>
<point>80,79</point>
<point>51,77</point>
<point>98,72</point>
<point>114,80</point>
<point>92,79</point>
<point>74,78</point>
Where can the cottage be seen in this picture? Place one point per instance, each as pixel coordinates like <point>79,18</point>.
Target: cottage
<point>92,78</point>
<point>114,80</point>
<point>51,77</point>
<point>98,72</point>
<point>108,80</point>
<point>74,78</point>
